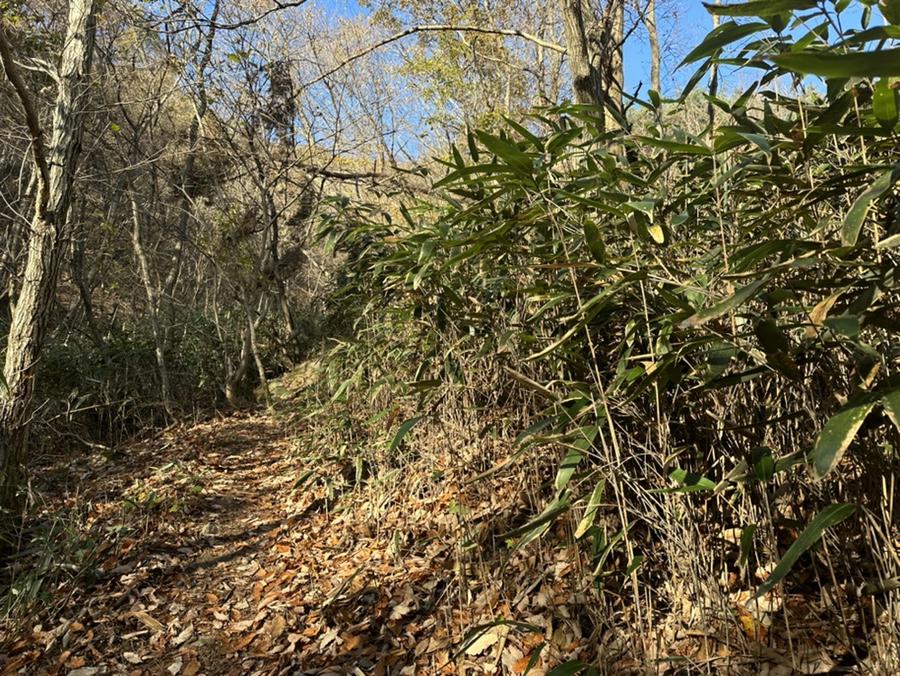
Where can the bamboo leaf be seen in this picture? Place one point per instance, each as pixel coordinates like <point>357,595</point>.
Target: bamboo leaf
<point>473,147</point>
<point>457,156</point>
<point>763,463</point>
<point>828,517</point>
<point>574,456</point>
<point>508,152</point>
<point>762,8</point>
<point>591,510</point>
<point>403,431</point>
<point>674,146</point>
<point>488,170</point>
<point>853,221</point>
<point>884,103</point>
<point>746,543</point>
<point>721,36</point>
<point>643,206</point>
<point>771,337</point>
<point>536,527</point>
<point>478,631</point>
<point>535,657</point>
<point>881,63</point>
<point>303,478</point>
<point>759,141</point>
<point>634,564</point>
<point>838,433</point>
<point>526,134</point>
<point>657,233</point>
<point>692,482</point>
<point>727,305</point>
<point>891,404</point>
<point>845,325</point>
<point>871,34</point>
<point>561,139</point>
<point>594,241</point>
<point>891,242</point>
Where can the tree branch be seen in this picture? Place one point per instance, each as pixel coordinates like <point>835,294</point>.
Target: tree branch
<point>435,28</point>
<point>341,175</point>
<point>204,22</point>
<point>259,17</point>
<point>31,117</point>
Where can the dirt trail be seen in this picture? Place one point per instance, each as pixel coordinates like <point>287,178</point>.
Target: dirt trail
<point>213,563</point>
<point>224,549</point>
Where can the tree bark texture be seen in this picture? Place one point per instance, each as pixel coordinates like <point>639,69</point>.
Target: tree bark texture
<point>594,49</point>
<point>649,19</point>
<point>587,81</point>
<point>55,167</point>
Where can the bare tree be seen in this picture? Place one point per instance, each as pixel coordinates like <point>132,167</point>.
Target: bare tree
<point>472,62</point>
<point>54,169</point>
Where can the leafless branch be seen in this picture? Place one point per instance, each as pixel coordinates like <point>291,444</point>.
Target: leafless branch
<point>435,28</point>
<point>31,117</point>
<point>203,22</point>
<point>259,17</point>
<point>342,175</point>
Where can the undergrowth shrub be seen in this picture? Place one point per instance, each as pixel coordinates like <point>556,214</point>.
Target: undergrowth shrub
<point>52,551</point>
<point>699,328</point>
<point>106,394</point>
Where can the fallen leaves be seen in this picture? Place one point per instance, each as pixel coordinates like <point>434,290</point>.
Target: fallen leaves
<point>214,561</point>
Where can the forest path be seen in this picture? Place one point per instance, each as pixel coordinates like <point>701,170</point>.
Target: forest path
<point>209,558</point>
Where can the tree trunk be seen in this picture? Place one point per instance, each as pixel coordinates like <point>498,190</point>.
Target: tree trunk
<point>649,19</point>
<point>614,41</point>
<point>55,167</point>
<point>587,80</point>
<point>201,105</point>
<point>84,285</point>
<point>152,303</point>
<point>594,50</point>
<point>11,237</point>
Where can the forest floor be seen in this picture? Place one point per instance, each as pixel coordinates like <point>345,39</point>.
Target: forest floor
<point>211,555</point>
<point>221,549</point>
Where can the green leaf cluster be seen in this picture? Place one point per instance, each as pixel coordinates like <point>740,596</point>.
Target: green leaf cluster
<point>609,282</point>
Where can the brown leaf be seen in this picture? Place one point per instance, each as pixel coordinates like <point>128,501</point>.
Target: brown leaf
<point>149,621</point>
<point>134,658</point>
<point>399,611</point>
<point>275,627</point>
<point>818,314</point>
<point>244,642</point>
<point>183,637</point>
<point>519,665</point>
<point>482,643</point>
<point>352,642</point>
<point>75,662</point>
<point>13,665</point>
